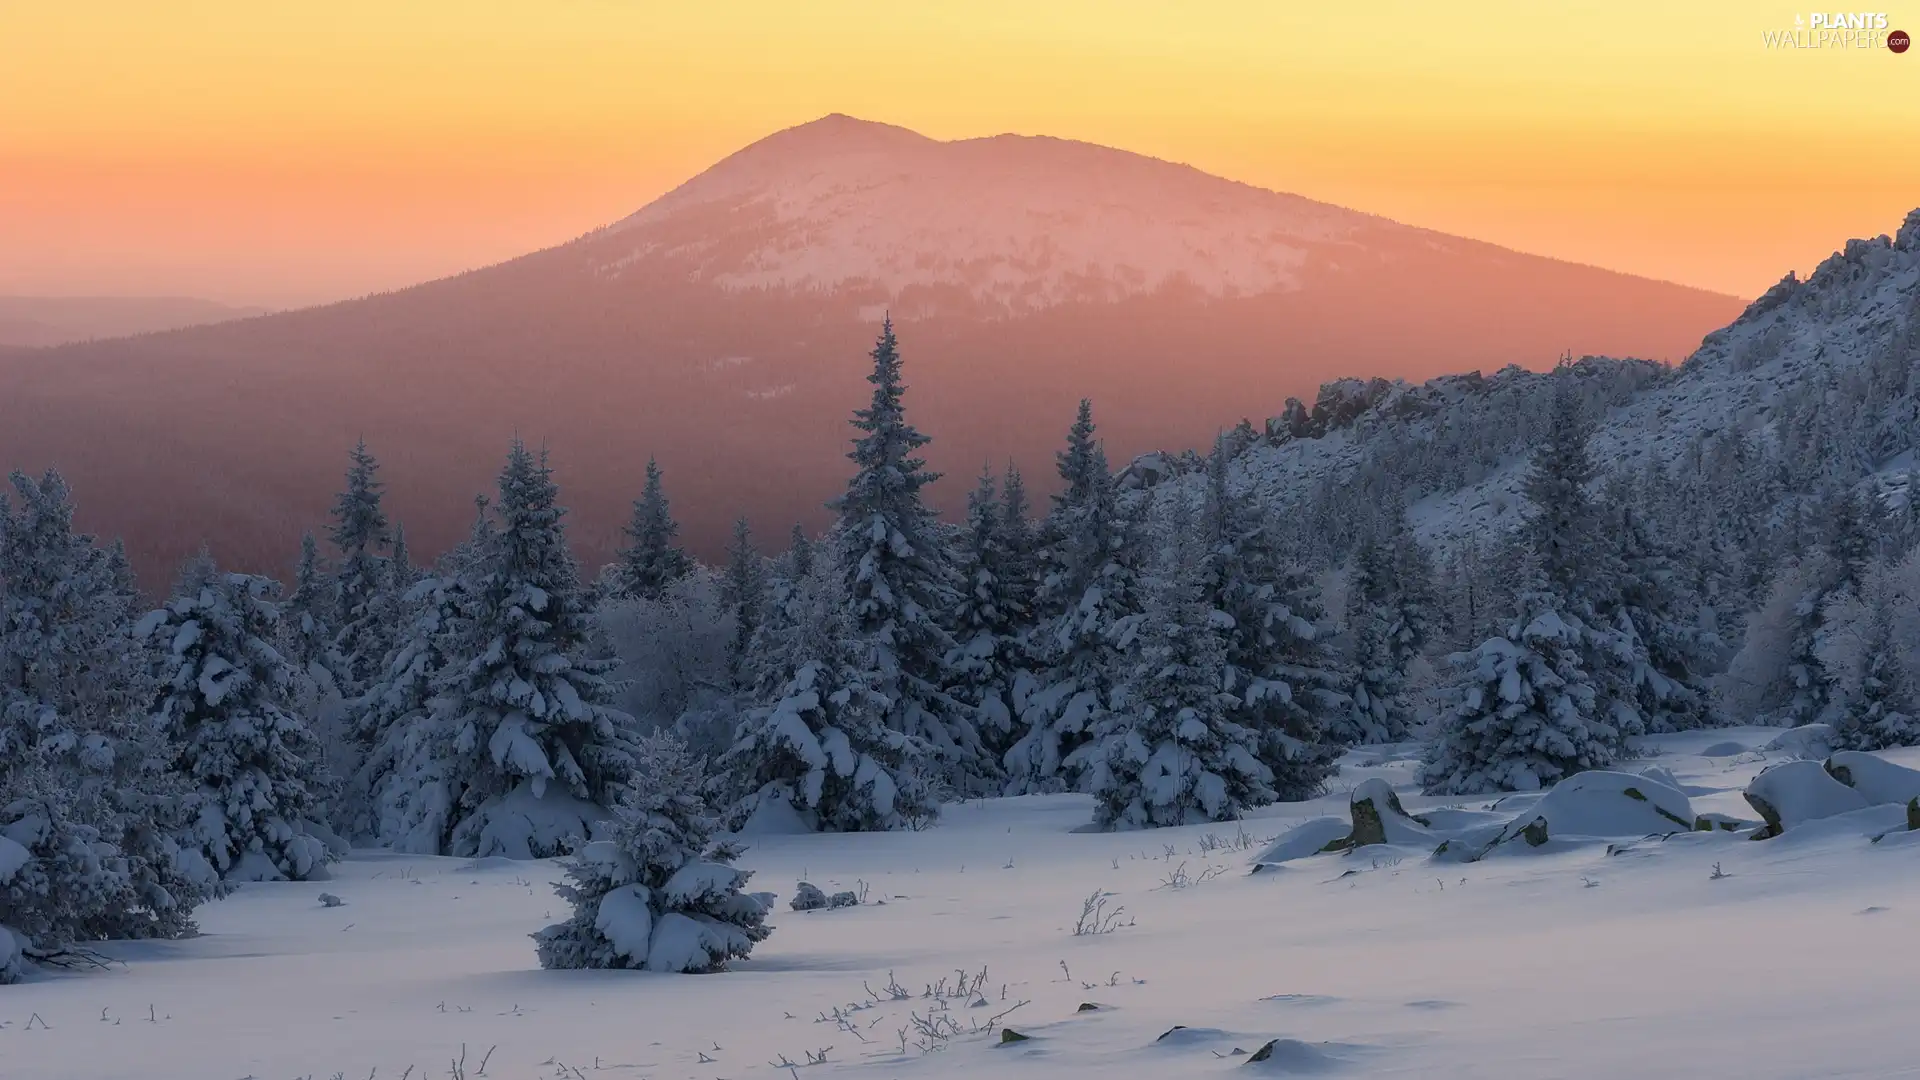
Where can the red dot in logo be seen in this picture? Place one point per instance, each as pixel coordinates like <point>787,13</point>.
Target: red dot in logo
<point>1898,41</point>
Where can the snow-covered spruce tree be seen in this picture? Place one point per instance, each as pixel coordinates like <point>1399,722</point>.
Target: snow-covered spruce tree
<point>1656,606</point>
<point>988,621</point>
<point>743,594</point>
<point>1377,713</point>
<point>401,792</point>
<point>1868,654</point>
<point>307,638</point>
<point>1883,713</point>
<point>90,808</point>
<point>1528,713</point>
<point>656,892</point>
<point>1281,671</point>
<point>225,698</point>
<point>1555,694</point>
<point>1093,585</point>
<point>652,559</point>
<point>534,750</point>
<point>1174,754</point>
<point>401,789</point>
<point>359,532</point>
<point>899,582</point>
<point>1836,567</point>
<point>819,753</point>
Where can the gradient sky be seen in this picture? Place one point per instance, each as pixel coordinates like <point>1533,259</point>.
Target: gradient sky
<point>287,151</point>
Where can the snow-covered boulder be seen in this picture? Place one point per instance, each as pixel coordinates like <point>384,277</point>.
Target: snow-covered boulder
<point>1793,792</point>
<point>1808,741</point>
<point>1874,777</point>
<point>1310,837</point>
<point>1601,804</point>
<point>1378,818</point>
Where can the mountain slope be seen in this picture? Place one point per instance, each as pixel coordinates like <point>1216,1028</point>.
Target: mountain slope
<point>1820,377</point>
<point>56,320</point>
<point>724,329</point>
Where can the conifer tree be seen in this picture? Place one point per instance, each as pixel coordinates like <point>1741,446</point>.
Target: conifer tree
<point>360,531</point>
<point>1093,586</point>
<point>898,578</point>
<point>799,555</point>
<point>820,752</point>
<point>1281,670</point>
<point>658,892</point>
<point>404,787</point>
<point>1555,694</point>
<point>536,749</point>
<point>1390,618</point>
<point>743,591</point>
<point>1657,607</point>
<point>226,700</point>
<point>1529,713</point>
<point>90,809</point>
<point>401,571</point>
<point>1884,712</point>
<point>304,617</point>
<point>652,559</point>
<point>1174,754</point>
<point>991,611</point>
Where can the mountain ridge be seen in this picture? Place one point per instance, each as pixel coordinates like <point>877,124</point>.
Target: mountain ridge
<point>622,344</point>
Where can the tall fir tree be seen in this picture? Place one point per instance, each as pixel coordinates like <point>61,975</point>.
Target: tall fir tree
<point>1657,606</point>
<point>1391,614</point>
<point>988,656</point>
<point>359,533</point>
<point>1282,672</point>
<point>1093,593</point>
<point>90,808</point>
<point>652,559</point>
<point>308,640</point>
<point>226,699</point>
<point>899,579</point>
<point>743,592</point>
<point>404,789</point>
<point>536,749</point>
<point>1555,694</point>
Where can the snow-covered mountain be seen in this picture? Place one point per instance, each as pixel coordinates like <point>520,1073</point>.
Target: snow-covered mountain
<point>1824,371</point>
<point>724,328</point>
<point>1013,223</point>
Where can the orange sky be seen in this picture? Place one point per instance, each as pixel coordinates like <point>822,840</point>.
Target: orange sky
<point>290,152</point>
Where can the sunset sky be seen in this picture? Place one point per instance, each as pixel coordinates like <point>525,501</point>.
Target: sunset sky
<point>292,152</point>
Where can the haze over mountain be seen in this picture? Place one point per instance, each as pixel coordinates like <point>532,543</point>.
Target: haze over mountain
<point>57,320</point>
<point>724,329</point>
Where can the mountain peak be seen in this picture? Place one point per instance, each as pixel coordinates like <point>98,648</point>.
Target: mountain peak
<point>837,133</point>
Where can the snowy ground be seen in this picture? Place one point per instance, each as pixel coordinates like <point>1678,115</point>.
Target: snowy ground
<point>1799,962</point>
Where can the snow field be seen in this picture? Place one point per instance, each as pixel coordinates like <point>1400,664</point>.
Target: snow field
<point>1795,961</point>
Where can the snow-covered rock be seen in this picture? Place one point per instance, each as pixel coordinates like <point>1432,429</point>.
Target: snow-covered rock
<point>1378,818</point>
<point>1806,742</point>
<point>1793,792</point>
<point>1311,837</point>
<point>1875,778</point>
<point>1600,804</point>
